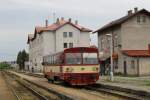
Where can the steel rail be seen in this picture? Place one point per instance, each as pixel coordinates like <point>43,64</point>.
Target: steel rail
<point>60,95</point>
<point>8,84</point>
<point>122,94</point>
<point>98,88</point>
<point>40,96</point>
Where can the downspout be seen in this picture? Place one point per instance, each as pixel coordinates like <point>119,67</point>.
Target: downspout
<point>55,40</point>
<point>113,46</point>
<point>112,32</point>
<point>138,68</point>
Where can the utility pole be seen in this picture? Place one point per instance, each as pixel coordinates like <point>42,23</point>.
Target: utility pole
<point>111,57</point>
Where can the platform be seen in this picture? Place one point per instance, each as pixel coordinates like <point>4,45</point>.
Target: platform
<point>133,83</point>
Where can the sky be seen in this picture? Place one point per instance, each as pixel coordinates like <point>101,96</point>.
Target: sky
<point>18,18</point>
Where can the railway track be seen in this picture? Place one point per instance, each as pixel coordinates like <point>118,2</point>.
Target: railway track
<point>37,93</point>
<point>98,89</point>
<point>123,93</point>
<point>21,90</point>
<point>118,93</point>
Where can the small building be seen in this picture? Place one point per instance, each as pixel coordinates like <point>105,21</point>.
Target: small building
<point>26,66</point>
<point>54,38</point>
<point>131,39</point>
<point>13,64</point>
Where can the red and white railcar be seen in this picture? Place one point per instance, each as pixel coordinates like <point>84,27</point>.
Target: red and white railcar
<point>76,66</point>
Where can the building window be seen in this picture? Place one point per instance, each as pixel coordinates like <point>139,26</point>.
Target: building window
<point>65,34</point>
<point>132,64</point>
<point>143,18</point>
<point>115,40</point>
<point>70,45</point>
<point>65,45</point>
<point>108,43</point>
<point>138,19</point>
<point>70,34</point>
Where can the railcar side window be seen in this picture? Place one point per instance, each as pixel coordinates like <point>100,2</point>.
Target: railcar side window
<point>52,59</point>
<point>90,58</point>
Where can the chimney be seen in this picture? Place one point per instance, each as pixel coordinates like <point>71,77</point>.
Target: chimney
<point>76,22</point>
<point>69,19</point>
<point>135,9</point>
<point>149,48</point>
<point>46,23</point>
<point>130,12</point>
<point>57,21</point>
<point>62,18</point>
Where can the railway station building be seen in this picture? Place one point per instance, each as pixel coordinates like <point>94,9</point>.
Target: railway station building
<point>54,38</point>
<point>131,43</point>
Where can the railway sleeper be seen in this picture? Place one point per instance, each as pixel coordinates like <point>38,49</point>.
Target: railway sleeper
<point>123,94</point>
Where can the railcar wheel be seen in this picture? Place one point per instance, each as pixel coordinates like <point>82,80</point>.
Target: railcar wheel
<point>45,76</point>
<point>56,78</point>
<point>50,80</point>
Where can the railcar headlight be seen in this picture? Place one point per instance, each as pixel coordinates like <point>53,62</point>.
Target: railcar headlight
<point>82,68</point>
<point>95,68</point>
<point>69,69</point>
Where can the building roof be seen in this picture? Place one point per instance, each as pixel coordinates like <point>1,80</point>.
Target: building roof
<point>30,37</point>
<point>137,53</point>
<point>121,20</point>
<point>57,25</point>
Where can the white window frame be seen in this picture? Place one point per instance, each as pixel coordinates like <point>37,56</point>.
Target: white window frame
<point>66,45</point>
<point>65,34</point>
<point>70,34</point>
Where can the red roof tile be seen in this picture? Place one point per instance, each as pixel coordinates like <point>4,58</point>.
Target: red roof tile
<point>137,53</point>
<point>56,26</point>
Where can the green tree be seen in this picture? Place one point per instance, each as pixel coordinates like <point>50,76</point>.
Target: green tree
<point>21,58</point>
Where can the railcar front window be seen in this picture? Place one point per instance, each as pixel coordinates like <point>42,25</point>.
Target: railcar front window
<point>90,58</point>
<point>73,58</point>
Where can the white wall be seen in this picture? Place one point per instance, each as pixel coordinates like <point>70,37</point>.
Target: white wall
<point>84,39</point>
<point>48,43</point>
<point>36,53</point>
<point>53,41</point>
<point>135,36</point>
<point>79,39</point>
<point>144,67</point>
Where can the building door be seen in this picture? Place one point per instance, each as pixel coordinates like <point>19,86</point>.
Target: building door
<point>125,68</point>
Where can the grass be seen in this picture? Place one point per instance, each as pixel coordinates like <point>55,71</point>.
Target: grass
<point>146,82</point>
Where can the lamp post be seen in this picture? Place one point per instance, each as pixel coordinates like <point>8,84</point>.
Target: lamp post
<point>111,57</point>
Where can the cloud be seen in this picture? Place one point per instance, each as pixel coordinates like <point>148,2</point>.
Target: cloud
<point>19,17</point>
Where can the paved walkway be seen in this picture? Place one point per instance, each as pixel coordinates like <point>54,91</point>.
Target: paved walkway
<point>5,92</point>
<point>136,83</point>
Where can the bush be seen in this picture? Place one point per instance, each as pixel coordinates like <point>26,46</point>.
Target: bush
<point>4,65</point>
